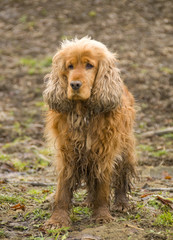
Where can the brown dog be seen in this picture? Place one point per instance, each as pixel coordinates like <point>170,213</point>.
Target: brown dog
<point>90,123</point>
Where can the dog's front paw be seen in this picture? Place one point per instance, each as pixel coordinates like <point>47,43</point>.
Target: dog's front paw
<point>121,204</point>
<point>102,215</point>
<point>58,219</point>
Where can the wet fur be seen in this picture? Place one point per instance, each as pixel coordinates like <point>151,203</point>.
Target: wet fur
<point>94,138</point>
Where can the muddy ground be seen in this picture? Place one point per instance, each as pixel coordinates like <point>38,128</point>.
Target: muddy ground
<point>141,34</point>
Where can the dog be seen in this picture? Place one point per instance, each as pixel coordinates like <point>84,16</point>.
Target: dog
<point>90,123</point>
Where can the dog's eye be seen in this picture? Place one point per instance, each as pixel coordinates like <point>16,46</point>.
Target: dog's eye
<point>89,66</point>
<point>70,66</point>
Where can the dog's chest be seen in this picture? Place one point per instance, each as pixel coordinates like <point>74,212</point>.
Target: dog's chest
<point>80,131</point>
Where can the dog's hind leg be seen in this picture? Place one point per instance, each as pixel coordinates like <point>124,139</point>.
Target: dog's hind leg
<point>124,171</point>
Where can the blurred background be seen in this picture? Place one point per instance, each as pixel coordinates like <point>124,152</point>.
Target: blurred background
<point>140,32</point>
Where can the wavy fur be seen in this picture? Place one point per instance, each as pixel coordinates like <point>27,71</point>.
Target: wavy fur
<point>93,137</point>
<point>107,90</point>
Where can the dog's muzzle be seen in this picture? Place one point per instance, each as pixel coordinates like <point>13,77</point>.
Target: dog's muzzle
<point>75,85</point>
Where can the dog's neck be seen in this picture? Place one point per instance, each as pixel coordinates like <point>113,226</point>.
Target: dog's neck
<point>80,107</point>
<point>89,107</point>
<point>79,116</point>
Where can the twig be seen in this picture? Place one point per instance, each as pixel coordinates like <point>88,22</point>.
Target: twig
<point>160,189</point>
<point>157,132</point>
<point>135,227</point>
<point>37,184</point>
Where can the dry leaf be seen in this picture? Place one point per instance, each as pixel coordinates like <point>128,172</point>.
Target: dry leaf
<point>165,201</point>
<point>146,195</point>
<point>166,175</point>
<point>18,206</point>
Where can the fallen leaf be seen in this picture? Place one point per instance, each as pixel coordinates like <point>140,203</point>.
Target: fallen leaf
<point>45,191</point>
<point>166,175</point>
<point>146,195</point>
<point>18,206</point>
<point>165,201</point>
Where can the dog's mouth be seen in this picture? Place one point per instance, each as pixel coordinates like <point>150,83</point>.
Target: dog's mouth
<point>77,96</point>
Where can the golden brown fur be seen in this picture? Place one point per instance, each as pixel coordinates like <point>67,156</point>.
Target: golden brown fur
<point>90,123</point>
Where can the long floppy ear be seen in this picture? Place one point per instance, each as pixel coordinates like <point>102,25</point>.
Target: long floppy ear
<point>107,89</point>
<point>55,93</point>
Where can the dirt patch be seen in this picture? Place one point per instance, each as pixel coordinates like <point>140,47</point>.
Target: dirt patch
<point>141,34</point>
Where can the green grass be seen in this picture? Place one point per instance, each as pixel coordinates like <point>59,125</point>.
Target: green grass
<point>44,12</point>
<point>81,210</point>
<point>40,156</point>
<point>140,205</point>
<point>23,19</point>
<point>78,212</point>
<point>142,125</point>
<point>166,70</point>
<point>4,157</point>
<point>36,238</point>
<point>164,219</point>
<point>65,37</point>
<point>38,195</point>
<point>36,66</point>
<point>45,151</point>
<point>18,140</point>
<point>31,24</point>
<point>135,65</point>
<point>17,128</point>
<point>33,62</point>
<point>146,148</point>
<point>159,153</point>
<point>59,234</point>
<point>34,192</point>
<point>2,234</point>
<point>39,104</point>
<point>11,199</point>
<point>92,13</point>
<point>28,25</point>
<point>154,203</point>
<point>37,214</point>
<point>80,195</point>
<point>158,205</point>
<point>41,214</point>
<point>2,77</point>
<point>169,135</point>
<point>46,62</point>
<point>41,163</point>
<point>30,62</point>
<point>144,71</point>
<point>151,150</point>
<point>20,165</point>
<point>20,227</point>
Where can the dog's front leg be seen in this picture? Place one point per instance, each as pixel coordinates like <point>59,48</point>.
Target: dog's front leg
<point>101,201</point>
<point>60,216</point>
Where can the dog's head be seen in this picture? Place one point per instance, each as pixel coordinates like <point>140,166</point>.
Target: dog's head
<point>83,70</point>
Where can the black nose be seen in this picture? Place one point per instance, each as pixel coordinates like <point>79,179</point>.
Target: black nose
<point>75,85</point>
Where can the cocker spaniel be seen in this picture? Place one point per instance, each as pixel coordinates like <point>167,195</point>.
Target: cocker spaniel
<point>90,123</point>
